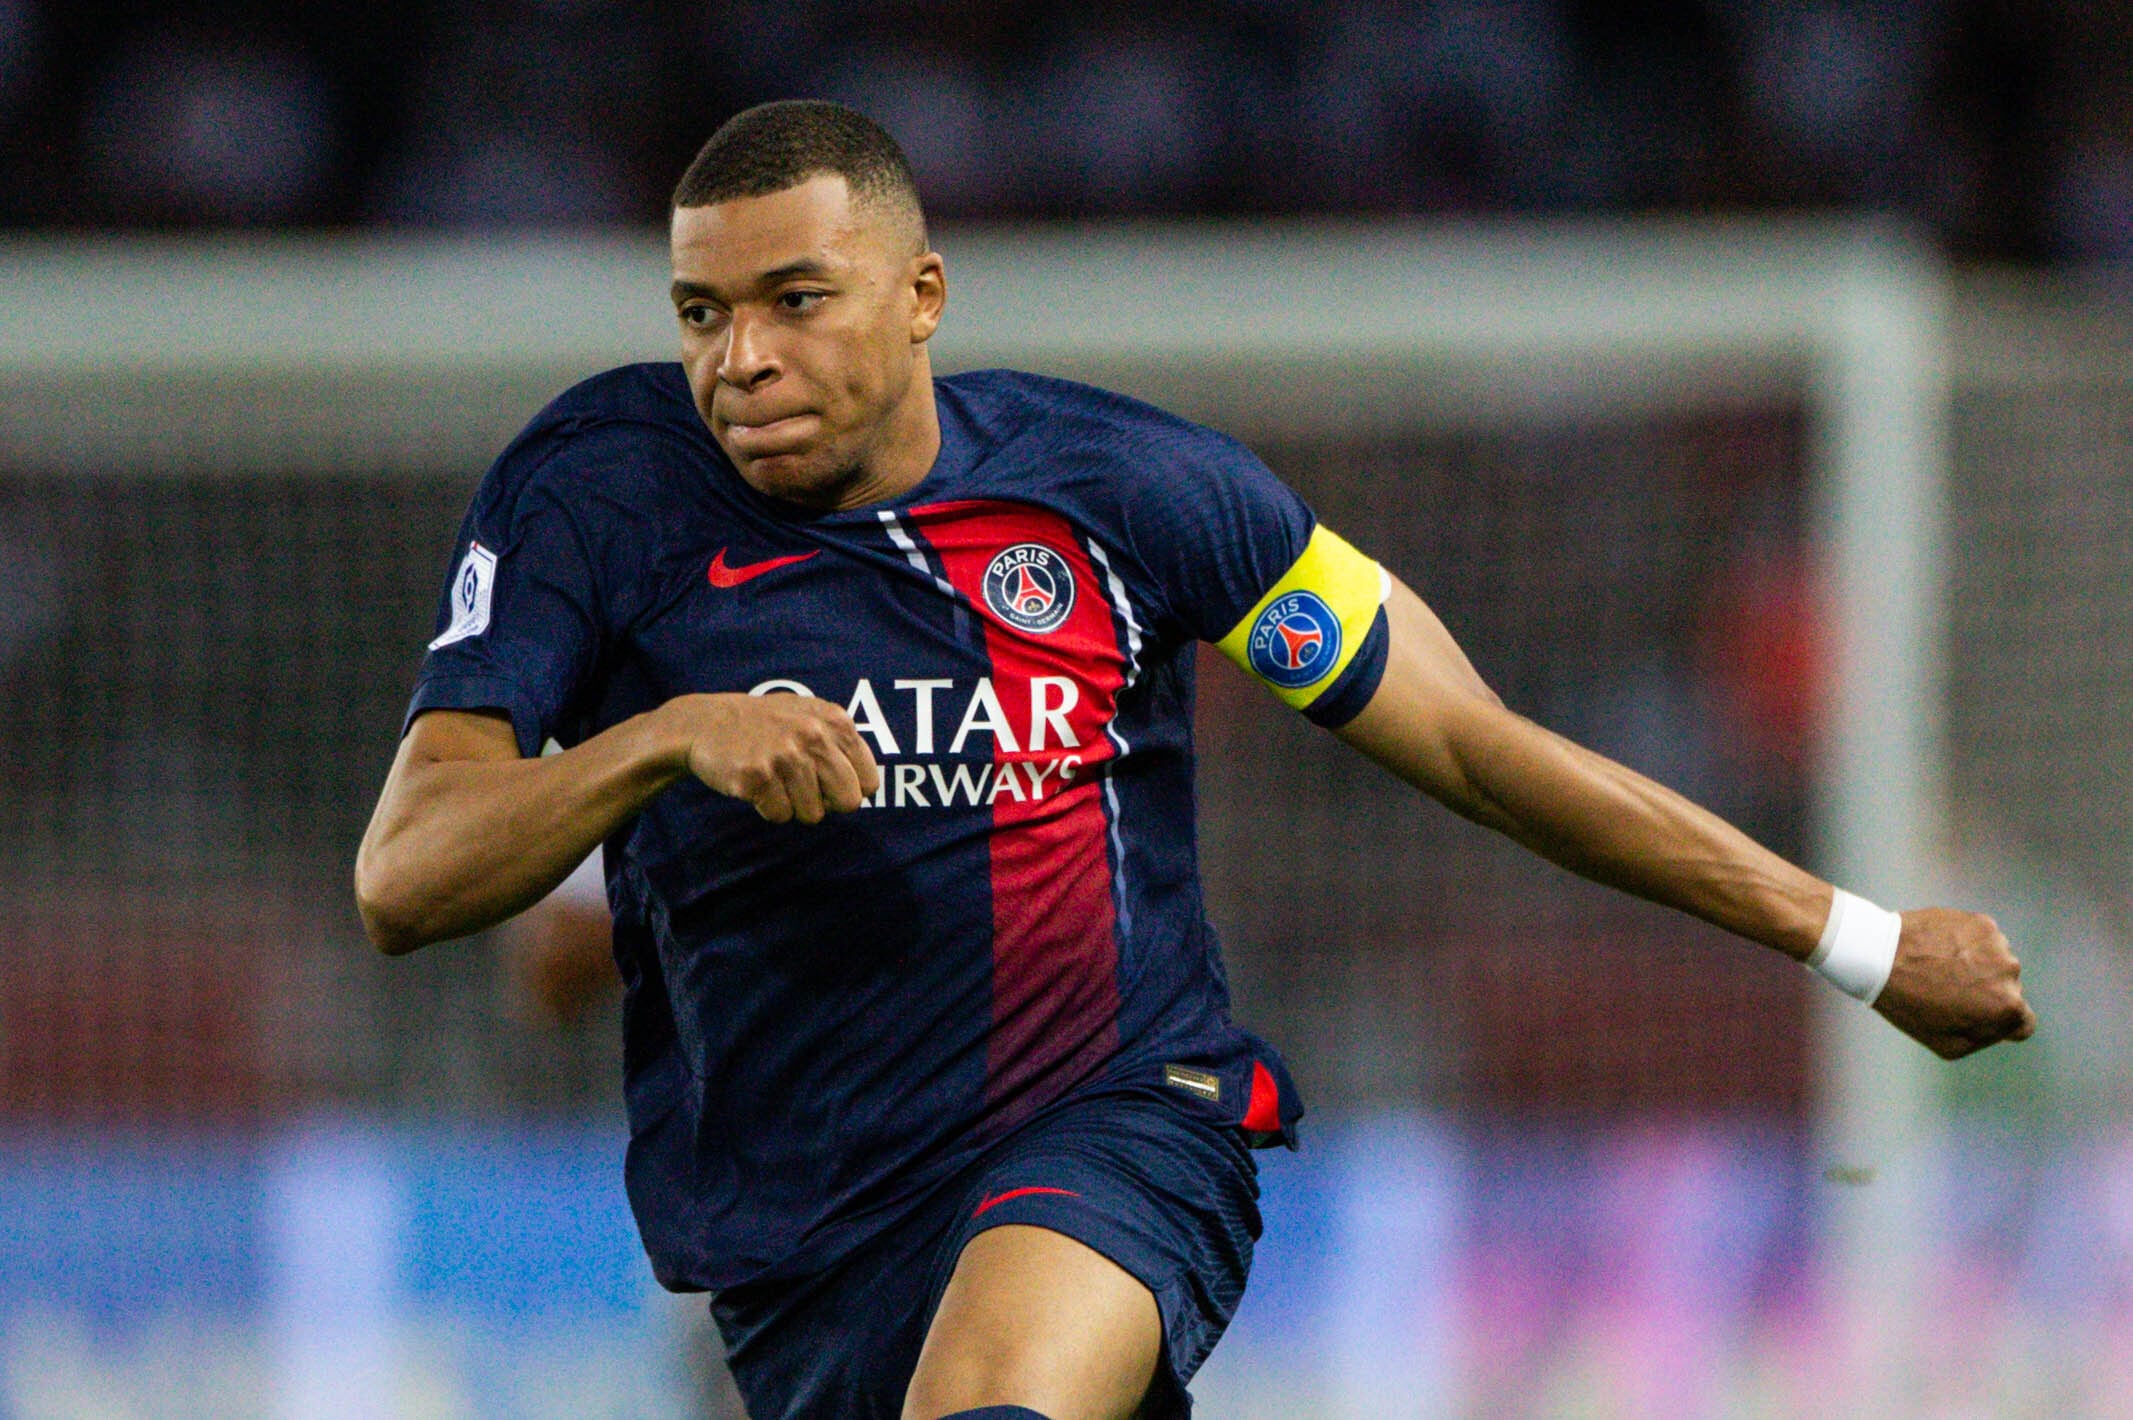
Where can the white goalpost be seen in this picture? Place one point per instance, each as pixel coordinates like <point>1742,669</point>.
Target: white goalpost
<point>289,355</point>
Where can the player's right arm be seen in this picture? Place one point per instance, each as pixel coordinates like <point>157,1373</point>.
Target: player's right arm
<point>558,552</point>
<point>467,832</point>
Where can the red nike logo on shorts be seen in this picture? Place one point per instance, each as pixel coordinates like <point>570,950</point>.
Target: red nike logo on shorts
<point>723,576</point>
<point>1021,1193</point>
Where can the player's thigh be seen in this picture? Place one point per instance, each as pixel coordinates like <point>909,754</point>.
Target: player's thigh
<point>1031,1317</point>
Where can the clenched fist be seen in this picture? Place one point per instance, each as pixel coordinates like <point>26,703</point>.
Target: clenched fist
<point>1956,985</point>
<point>791,756</point>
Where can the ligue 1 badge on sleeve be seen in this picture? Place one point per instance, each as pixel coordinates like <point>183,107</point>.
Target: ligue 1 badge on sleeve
<point>472,585</point>
<point>1030,587</point>
<point>1296,640</point>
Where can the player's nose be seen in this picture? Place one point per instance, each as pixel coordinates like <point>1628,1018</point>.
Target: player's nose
<point>748,359</point>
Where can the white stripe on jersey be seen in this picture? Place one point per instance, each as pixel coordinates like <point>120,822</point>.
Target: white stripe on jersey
<point>1122,902</point>
<point>912,555</point>
<point>1124,604</point>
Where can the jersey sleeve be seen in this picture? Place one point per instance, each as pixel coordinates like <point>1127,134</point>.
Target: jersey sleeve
<point>1244,564</point>
<point>520,623</point>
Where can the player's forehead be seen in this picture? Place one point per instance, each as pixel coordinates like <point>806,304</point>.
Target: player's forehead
<point>812,226</point>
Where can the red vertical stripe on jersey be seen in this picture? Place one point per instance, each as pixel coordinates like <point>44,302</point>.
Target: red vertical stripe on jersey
<point>1262,1114</point>
<point>1055,942</point>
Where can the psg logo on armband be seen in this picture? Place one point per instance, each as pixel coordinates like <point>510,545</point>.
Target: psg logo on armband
<point>1296,640</point>
<point>1030,587</point>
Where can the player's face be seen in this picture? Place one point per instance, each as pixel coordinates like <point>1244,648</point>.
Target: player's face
<point>803,322</point>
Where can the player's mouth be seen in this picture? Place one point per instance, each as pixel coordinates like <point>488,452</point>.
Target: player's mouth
<point>772,436</point>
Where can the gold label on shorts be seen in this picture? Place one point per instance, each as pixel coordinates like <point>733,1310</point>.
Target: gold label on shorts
<point>1205,1084</point>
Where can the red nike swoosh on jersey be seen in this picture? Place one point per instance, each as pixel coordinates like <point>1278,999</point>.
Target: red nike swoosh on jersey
<point>1022,1193</point>
<point>723,576</point>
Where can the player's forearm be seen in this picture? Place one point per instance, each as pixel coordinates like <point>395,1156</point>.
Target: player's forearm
<point>1950,980</point>
<point>460,843</point>
<point>1608,823</point>
<point>1435,723</point>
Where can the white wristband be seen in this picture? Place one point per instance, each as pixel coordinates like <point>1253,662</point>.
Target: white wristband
<point>1858,947</point>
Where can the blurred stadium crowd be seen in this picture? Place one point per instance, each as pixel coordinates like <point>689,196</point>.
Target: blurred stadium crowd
<point>2005,125</point>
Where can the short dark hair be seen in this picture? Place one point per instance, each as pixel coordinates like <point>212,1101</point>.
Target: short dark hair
<point>774,146</point>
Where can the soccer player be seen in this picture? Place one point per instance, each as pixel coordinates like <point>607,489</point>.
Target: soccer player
<point>877,689</point>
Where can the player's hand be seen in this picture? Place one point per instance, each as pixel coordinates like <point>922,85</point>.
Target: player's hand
<point>1956,986</point>
<point>791,756</point>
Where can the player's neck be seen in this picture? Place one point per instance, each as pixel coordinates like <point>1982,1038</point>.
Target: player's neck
<point>904,454</point>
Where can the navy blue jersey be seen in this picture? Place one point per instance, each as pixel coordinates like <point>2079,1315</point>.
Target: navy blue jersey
<point>821,1022</point>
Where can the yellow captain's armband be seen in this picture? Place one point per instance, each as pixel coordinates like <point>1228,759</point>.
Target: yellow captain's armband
<point>1307,628</point>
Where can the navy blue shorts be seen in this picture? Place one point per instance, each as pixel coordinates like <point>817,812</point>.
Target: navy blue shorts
<point>1170,1197</point>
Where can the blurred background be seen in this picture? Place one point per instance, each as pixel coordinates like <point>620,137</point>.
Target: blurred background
<point>1564,1155</point>
<point>2003,126</point>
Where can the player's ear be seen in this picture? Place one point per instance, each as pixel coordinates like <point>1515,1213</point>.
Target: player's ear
<point>929,288</point>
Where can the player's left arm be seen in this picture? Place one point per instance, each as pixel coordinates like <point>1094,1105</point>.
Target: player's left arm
<point>1955,985</point>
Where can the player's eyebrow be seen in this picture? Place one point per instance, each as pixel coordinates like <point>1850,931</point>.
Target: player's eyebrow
<point>804,266</point>
<point>683,290</point>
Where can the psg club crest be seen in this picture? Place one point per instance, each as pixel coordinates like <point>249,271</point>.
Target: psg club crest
<point>1295,641</point>
<point>1029,587</point>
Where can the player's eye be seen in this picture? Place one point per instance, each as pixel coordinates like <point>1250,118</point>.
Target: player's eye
<point>800,302</point>
<point>699,317</point>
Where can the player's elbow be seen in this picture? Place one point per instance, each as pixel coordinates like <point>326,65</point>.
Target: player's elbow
<point>389,911</point>
<point>392,938</point>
